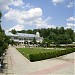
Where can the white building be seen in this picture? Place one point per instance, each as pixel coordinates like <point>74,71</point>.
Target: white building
<point>20,38</point>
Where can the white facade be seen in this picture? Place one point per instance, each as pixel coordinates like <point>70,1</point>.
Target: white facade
<point>22,37</point>
<point>37,34</point>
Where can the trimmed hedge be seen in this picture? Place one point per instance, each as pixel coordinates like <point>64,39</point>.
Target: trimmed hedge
<point>48,55</point>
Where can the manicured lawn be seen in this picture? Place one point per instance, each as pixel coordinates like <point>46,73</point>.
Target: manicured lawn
<point>27,51</point>
<point>35,54</point>
<point>35,50</point>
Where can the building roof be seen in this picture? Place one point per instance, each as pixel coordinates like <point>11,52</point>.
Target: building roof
<point>20,34</point>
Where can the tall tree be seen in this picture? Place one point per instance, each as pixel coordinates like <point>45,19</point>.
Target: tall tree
<point>0,21</point>
<point>13,31</point>
<point>3,43</point>
<point>0,15</point>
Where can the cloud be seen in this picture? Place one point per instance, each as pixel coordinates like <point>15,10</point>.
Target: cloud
<point>70,24</point>
<point>67,27</point>
<point>70,4</point>
<point>4,4</point>
<point>40,23</point>
<point>17,27</point>
<point>29,5</point>
<point>31,17</point>
<point>16,2</point>
<point>55,2</point>
<point>21,16</point>
<point>71,19</point>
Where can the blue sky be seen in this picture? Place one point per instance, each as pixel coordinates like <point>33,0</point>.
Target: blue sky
<point>32,14</point>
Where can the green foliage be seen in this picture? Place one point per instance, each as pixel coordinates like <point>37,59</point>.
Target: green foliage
<point>46,42</point>
<point>30,31</point>
<point>7,39</point>
<point>63,39</point>
<point>22,31</point>
<point>13,31</point>
<point>70,32</point>
<point>48,55</point>
<point>34,40</point>
<point>0,14</point>
<point>74,37</point>
<point>12,42</point>
<point>3,40</point>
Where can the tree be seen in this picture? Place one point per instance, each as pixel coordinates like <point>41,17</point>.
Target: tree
<point>29,31</point>
<point>70,32</point>
<point>74,37</point>
<point>3,43</point>
<point>13,31</point>
<point>34,40</point>
<point>61,30</point>
<point>0,21</point>
<point>46,42</point>
<point>0,15</point>
<point>22,31</point>
<point>63,39</point>
<point>12,42</point>
<point>7,39</point>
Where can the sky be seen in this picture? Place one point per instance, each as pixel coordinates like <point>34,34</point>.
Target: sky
<point>34,14</point>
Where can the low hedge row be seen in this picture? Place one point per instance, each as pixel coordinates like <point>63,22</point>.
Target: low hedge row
<point>42,56</point>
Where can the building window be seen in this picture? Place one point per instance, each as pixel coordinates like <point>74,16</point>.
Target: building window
<point>19,38</point>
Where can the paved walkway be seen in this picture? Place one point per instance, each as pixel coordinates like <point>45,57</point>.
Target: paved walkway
<point>19,65</point>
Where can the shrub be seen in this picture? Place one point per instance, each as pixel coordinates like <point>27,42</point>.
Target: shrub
<point>47,55</point>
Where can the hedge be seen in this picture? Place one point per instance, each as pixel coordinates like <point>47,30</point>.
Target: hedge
<point>48,55</point>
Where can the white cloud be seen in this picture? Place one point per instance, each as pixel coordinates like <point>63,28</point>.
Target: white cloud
<point>22,16</point>
<point>29,5</point>
<point>16,2</point>
<point>70,4</point>
<point>70,24</point>
<point>35,12</point>
<point>55,2</point>
<point>17,27</point>
<point>30,17</point>
<point>4,4</point>
<point>40,23</point>
<point>71,19</point>
<point>67,27</point>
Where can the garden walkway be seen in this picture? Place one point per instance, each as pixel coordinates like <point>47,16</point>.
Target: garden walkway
<point>19,65</point>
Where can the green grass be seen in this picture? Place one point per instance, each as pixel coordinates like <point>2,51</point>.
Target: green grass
<point>34,50</point>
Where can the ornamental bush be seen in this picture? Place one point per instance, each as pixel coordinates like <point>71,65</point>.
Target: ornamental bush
<point>48,55</point>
